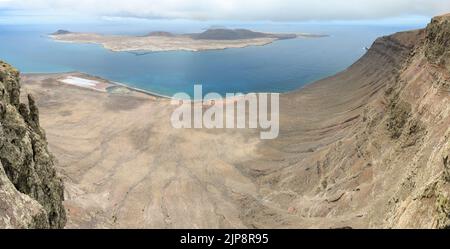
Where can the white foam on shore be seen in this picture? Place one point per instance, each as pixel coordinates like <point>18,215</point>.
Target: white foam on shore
<point>71,80</point>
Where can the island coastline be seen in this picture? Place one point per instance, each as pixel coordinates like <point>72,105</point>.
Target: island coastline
<point>164,42</point>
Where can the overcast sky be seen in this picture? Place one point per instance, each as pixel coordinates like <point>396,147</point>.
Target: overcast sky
<point>239,10</point>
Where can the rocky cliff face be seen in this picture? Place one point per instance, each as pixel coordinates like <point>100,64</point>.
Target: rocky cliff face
<point>438,41</point>
<point>31,194</point>
<point>368,147</point>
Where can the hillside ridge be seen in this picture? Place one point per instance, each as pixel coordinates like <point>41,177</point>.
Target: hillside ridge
<point>373,150</point>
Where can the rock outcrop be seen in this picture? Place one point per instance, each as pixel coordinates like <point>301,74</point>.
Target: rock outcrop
<point>438,41</point>
<point>31,193</point>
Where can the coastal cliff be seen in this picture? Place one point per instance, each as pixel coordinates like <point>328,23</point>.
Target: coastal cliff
<point>366,148</point>
<point>373,150</point>
<point>31,193</point>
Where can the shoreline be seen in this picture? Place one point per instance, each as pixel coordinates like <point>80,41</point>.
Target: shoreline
<point>89,76</point>
<point>161,41</point>
<point>146,51</point>
<point>118,43</point>
<point>245,43</point>
<point>131,88</point>
<point>153,94</point>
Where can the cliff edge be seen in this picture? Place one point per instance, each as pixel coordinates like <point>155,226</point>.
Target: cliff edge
<point>368,147</point>
<point>31,193</point>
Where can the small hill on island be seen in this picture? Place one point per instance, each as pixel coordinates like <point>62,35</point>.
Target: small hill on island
<point>61,32</point>
<point>160,33</point>
<point>237,34</point>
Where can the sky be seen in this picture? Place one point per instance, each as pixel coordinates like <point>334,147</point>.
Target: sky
<point>237,10</point>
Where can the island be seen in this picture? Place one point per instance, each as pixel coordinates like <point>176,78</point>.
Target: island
<point>158,41</point>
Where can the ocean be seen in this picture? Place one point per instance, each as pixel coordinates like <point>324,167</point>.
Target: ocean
<point>283,66</point>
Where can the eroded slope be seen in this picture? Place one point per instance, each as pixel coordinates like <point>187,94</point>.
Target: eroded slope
<point>368,147</point>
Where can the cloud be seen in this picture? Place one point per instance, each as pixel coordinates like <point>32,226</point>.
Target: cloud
<point>273,10</point>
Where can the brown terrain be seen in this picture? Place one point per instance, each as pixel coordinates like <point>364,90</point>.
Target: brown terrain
<point>366,148</point>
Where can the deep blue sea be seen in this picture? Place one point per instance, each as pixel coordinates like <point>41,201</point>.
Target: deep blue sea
<point>279,67</point>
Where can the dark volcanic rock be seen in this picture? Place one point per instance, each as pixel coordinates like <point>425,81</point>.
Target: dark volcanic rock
<point>161,34</point>
<point>235,34</point>
<point>438,41</point>
<point>62,32</point>
<point>31,193</point>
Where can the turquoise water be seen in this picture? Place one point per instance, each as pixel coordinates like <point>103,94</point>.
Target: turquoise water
<point>279,67</point>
